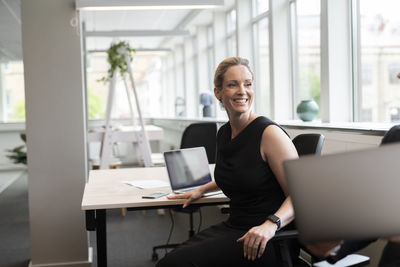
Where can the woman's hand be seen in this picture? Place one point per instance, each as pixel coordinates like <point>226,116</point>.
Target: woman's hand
<point>323,249</point>
<point>255,240</point>
<point>395,239</point>
<point>190,196</point>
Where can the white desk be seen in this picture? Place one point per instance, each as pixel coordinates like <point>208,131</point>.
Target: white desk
<point>106,190</point>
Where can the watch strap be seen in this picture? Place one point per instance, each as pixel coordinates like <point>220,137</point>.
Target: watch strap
<point>275,219</point>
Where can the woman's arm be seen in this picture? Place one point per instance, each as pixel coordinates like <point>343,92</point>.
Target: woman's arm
<point>196,193</point>
<point>275,148</point>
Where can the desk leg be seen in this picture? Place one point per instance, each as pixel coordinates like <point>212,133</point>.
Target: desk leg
<point>101,238</point>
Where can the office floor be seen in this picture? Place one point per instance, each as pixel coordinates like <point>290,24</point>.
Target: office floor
<point>14,219</point>
<point>130,238</point>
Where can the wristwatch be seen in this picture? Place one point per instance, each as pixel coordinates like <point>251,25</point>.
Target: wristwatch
<point>275,219</point>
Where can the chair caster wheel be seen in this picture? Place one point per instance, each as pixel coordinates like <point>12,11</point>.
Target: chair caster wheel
<point>154,257</point>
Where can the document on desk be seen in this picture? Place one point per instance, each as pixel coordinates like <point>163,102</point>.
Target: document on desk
<point>147,184</point>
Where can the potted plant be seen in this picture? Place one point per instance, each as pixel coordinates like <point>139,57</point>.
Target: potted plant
<point>18,154</point>
<point>116,59</point>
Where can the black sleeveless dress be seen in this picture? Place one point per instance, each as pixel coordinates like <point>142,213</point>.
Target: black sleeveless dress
<point>249,182</point>
<point>245,177</point>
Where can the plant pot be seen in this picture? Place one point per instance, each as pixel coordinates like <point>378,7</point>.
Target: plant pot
<point>307,110</point>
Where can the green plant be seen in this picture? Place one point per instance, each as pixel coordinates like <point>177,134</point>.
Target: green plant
<point>116,59</point>
<point>19,110</point>
<point>18,154</point>
<point>95,105</point>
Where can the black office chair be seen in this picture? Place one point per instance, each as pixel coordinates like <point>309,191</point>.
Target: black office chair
<point>195,135</point>
<point>307,144</point>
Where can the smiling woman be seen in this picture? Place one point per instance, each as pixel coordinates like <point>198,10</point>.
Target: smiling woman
<point>248,169</point>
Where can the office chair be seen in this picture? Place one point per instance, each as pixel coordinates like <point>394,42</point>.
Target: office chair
<point>308,144</point>
<point>195,135</point>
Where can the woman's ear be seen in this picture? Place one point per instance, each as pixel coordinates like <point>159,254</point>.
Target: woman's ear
<point>217,94</point>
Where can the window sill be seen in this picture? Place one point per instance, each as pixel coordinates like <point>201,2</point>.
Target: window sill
<point>12,127</point>
<point>354,127</point>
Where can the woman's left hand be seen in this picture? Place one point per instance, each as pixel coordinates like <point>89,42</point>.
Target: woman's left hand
<point>255,240</point>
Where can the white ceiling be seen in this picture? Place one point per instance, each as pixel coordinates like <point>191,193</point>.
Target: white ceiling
<point>128,20</point>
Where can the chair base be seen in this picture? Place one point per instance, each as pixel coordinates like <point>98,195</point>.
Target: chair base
<point>154,256</point>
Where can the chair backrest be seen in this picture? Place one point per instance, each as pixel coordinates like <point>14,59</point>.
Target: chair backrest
<point>391,136</point>
<point>201,134</point>
<point>307,144</point>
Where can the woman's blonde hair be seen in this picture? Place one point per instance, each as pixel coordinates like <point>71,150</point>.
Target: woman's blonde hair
<point>225,65</point>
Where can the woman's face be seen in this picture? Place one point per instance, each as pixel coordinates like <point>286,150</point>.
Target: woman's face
<point>237,90</point>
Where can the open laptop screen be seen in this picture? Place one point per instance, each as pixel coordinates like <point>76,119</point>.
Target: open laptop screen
<point>187,167</point>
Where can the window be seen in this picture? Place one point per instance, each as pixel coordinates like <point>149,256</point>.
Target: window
<point>147,77</point>
<point>306,51</point>
<point>210,56</point>
<point>394,70</point>
<point>259,7</point>
<point>12,92</point>
<point>231,44</point>
<point>379,31</point>
<point>367,74</point>
<point>261,55</point>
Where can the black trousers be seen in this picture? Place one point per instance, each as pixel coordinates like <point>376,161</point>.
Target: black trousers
<point>390,255</point>
<point>217,246</point>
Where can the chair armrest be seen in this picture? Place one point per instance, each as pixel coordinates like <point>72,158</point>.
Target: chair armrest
<point>285,235</point>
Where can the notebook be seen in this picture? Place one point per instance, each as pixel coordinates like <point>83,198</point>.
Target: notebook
<point>187,169</point>
<point>352,195</point>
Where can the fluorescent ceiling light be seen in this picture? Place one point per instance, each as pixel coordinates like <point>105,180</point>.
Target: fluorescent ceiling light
<point>146,33</point>
<point>138,51</point>
<point>95,5</point>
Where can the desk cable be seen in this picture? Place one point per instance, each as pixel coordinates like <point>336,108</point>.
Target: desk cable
<point>200,220</point>
<point>173,225</point>
<point>171,229</point>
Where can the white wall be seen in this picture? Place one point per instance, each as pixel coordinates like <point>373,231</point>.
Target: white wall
<point>56,130</point>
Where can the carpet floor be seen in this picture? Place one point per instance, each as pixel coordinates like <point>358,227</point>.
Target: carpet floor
<point>130,238</point>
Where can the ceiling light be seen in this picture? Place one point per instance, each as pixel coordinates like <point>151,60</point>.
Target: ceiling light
<point>138,51</point>
<point>95,5</point>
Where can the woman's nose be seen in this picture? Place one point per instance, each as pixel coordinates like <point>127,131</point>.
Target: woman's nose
<point>242,89</point>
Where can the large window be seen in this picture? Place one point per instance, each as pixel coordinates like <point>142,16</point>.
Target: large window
<point>210,56</point>
<point>147,75</point>
<point>261,55</point>
<point>307,50</point>
<point>12,92</point>
<point>378,86</point>
<point>259,7</point>
<point>231,44</point>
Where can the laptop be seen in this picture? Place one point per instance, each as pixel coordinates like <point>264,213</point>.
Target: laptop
<point>352,195</point>
<point>187,169</point>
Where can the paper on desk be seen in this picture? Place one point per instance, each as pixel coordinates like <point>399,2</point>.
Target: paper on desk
<point>147,184</point>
